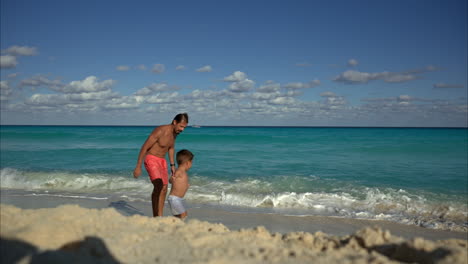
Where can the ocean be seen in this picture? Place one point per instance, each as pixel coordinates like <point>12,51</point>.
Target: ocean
<point>413,176</point>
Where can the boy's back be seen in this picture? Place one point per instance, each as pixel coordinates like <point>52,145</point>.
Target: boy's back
<point>180,183</point>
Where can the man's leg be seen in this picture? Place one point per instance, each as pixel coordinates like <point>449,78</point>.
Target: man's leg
<point>162,199</point>
<point>156,195</point>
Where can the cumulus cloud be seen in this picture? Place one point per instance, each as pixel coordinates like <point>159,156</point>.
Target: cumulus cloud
<point>8,62</point>
<point>88,85</point>
<point>122,103</point>
<point>237,76</point>
<point>20,51</point>
<point>158,68</point>
<point>122,68</point>
<point>333,101</point>
<point>300,85</point>
<point>269,87</point>
<point>180,68</point>
<point>163,98</point>
<point>40,80</point>
<point>5,90</point>
<point>265,96</point>
<point>241,86</point>
<point>155,87</point>
<point>447,85</point>
<point>85,95</point>
<point>206,68</point>
<point>283,100</point>
<point>240,83</point>
<point>357,77</point>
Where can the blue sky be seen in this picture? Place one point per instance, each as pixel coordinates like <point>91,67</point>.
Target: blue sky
<point>304,63</point>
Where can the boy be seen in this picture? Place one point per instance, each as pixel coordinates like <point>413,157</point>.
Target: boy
<point>180,184</point>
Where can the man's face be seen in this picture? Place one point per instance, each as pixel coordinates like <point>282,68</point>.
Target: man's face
<point>179,127</point>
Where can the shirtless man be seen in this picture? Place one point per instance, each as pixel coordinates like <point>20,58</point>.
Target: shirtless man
<point>153,152</point>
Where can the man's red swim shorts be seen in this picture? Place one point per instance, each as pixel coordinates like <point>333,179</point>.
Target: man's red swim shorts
<point>156,168</point>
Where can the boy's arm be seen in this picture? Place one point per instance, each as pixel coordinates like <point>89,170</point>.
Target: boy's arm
<point>152,138</point>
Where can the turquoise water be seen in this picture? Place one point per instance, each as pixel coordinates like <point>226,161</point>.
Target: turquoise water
<point>408,175</point>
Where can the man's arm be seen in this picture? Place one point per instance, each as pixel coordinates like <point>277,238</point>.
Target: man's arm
<point>152,138</point>
<point>171,159</point>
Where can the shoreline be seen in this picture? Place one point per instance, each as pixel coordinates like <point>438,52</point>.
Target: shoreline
<point>336,226</point>
<point>73,234</point>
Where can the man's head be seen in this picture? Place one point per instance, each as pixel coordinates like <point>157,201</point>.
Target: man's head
<point>184,156</point>
<point>180,122</point>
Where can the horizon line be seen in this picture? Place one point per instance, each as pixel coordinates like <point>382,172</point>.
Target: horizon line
<point>240,126</point>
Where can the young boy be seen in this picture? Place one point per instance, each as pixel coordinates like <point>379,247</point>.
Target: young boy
<point>180,184</point>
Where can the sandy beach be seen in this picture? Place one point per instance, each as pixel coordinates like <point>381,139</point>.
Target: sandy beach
<point>47,229</point>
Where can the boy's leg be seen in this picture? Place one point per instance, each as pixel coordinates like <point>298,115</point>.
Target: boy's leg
<point>158,197</point>
<point>182,215</point>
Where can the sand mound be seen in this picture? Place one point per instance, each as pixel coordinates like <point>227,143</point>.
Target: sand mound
<point>71,234</point>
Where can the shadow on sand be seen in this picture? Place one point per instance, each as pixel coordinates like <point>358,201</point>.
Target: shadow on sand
<point>89,250</point>
<point>125,208</point>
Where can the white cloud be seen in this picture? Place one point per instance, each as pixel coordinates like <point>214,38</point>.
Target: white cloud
<point>122,68</point>
<point>300,85</point>
<point>355,77</point>
<point>269,87</point>
<point>447,85</point>
<point>20,51</point>
<point>158,68</point>
<point>74,98</point>
<point>122,103</point>
<point>352,62</point>
<point>163,98</point>
<point>241,86</point>
<point>240,83</point>
<point>40,80</point>
<point>8,62</point>
<point>237,76</point>
<point>5,90</point>
<point>180,68</point>
<point>88,85</point>
<point>155,87</point>
<point>282,101</point>
<point>265,96</point>
<point>141,67</point>
<point>206,68</point>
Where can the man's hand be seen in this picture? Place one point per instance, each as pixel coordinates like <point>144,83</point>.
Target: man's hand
<point>136,172</point>
<point>172,170</point>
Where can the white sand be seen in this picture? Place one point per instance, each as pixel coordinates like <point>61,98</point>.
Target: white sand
<point>73,234</point>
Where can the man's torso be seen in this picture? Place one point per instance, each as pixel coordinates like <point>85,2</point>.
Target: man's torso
<point>163,143</point>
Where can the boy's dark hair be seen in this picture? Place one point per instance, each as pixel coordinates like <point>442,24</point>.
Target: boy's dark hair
<point>181,117</point>
<point>184,156</point>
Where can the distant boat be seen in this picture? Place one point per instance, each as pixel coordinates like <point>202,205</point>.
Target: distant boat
<point>196,126</point>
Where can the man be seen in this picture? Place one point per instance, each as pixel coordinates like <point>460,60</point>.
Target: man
<point>153,151</point>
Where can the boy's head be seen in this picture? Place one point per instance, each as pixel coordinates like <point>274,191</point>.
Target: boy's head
<point>184,156</point>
